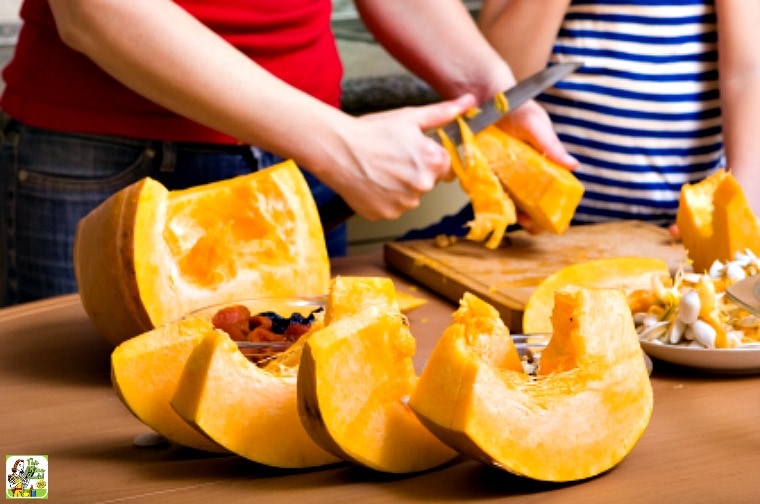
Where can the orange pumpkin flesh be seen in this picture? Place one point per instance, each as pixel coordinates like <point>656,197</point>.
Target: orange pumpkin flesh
<point>627,273</point>
<point>147,256</point>
<point>251,411</point>
<point>144,371</point>
<point>715,221</point>
<point>544,190</point>
<point>354,378</point>
<point>580,417</point>
<point>494,210</point>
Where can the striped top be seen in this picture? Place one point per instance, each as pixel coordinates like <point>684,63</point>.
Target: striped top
<point>642,115</point>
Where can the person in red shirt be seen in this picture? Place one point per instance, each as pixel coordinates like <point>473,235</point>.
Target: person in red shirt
<point>102,93</point>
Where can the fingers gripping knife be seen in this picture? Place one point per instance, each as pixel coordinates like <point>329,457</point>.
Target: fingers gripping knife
<point>335,211</point>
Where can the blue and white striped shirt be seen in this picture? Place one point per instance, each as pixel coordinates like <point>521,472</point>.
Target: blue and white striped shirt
<point>642,115</point>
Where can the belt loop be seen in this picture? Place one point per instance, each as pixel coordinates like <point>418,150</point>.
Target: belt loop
<point>168,157</point>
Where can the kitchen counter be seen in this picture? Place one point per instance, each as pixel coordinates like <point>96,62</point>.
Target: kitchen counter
<point>702,445</point>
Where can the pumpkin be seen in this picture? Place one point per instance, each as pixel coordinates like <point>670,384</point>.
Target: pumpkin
<point>353,381</point>
<point>582,413</point>
<point>541,188</point>
<point>247,409</point>
<point>494,210</point>
<point>715,221</point>
<point>631,274</point>
<point>145,370</point>
<point>147,256</point>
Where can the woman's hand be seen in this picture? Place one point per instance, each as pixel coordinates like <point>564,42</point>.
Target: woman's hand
<point>390,163</point>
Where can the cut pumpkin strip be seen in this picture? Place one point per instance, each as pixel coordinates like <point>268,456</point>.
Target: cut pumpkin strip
<point>494,210</point>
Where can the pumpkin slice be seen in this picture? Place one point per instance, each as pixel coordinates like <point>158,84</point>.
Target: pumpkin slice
<point>251,411</point>
<point>544,190</point>
<point>147,256</point>
<point>494,210</point>
<point>409,302</point>
<point>627,273</point>
<point>581,415</point>
<point>353,382</point>
<point>715,221</point>
<point>145,370</point>
<point>350,295</point>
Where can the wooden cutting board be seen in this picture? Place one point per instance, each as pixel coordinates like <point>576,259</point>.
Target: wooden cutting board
<point>506,277</point>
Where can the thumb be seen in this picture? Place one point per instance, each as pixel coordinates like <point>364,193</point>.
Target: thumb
<point>438,114</point>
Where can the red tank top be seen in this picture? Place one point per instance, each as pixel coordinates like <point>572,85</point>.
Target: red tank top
<point>49,85</point>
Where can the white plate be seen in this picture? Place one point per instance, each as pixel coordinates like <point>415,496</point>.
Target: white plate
<point>735,360</point>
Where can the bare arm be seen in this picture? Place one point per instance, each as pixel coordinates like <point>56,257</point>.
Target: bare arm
<point>438,41</point>
<point>381,167</point>
<point>739,67</point>
<point>522,31</point>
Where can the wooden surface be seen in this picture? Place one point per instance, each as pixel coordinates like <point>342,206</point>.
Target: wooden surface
<point>506,277</point>
<point>702,445</point>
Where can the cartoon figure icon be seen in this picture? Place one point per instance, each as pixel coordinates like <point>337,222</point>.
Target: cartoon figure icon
<point>18,478</point>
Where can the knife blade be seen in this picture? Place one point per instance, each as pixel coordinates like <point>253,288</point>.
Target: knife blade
<point>746,293</point>
<point>490,112</point>
<point>336,211</point>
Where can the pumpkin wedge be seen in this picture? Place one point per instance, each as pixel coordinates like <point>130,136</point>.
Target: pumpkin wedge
<point>145,370</point>
<point>715,221</point>
<point>627,273</point>
<point>247,409</point>
<point>354,378</point>
<point>147,256</point>
<point>544,190</point>
<point>493,208</point>
<point>580,416</point>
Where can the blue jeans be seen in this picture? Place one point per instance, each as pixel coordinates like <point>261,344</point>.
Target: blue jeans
<point>50,180</point>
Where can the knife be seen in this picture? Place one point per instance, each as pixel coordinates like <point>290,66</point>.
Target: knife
<point>746,293</point>
<point>335,211</point>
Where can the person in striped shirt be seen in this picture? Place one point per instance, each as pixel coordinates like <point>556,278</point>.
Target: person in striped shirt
<point>669,92</point>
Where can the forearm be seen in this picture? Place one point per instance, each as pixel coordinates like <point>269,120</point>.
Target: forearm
<point>164,54</point>
<point>522,31</point>
<point>739,70</point>
<point>439,42</point>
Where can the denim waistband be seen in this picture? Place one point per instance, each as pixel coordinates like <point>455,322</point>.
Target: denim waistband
<point>10,125</point>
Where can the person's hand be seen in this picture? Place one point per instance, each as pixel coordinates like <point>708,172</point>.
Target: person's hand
<point>391,162</point>
<point>531,124</point>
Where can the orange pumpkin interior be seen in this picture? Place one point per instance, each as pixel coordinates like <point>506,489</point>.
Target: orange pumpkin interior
<point>147,255</point>
<point>580,416</point>
<point>715,221</point>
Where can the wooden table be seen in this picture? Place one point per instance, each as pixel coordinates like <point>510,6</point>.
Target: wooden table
<point>703,443</point>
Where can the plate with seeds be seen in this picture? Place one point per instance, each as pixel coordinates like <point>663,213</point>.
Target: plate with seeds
<point>742,360</point>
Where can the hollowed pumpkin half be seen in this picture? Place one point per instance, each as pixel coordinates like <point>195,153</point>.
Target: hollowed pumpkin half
<point>147,256</point>
<point>581,415</point>
<point>715,221</point>
<point>354,379</point>
<point>250,411</point>
<point>144,373</point>
<point>546,191</point>
<point>627,273</point>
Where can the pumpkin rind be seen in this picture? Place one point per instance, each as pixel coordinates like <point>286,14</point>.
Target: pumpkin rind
<point>626,273</point>
<point>145,370</point>
<point>579,418</point>
<point>546,191</point>
<point>715,221</point>
<point>250,411</point>
<point>147,256</point>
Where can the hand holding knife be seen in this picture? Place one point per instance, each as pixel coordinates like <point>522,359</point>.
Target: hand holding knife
<point>337,211</point>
